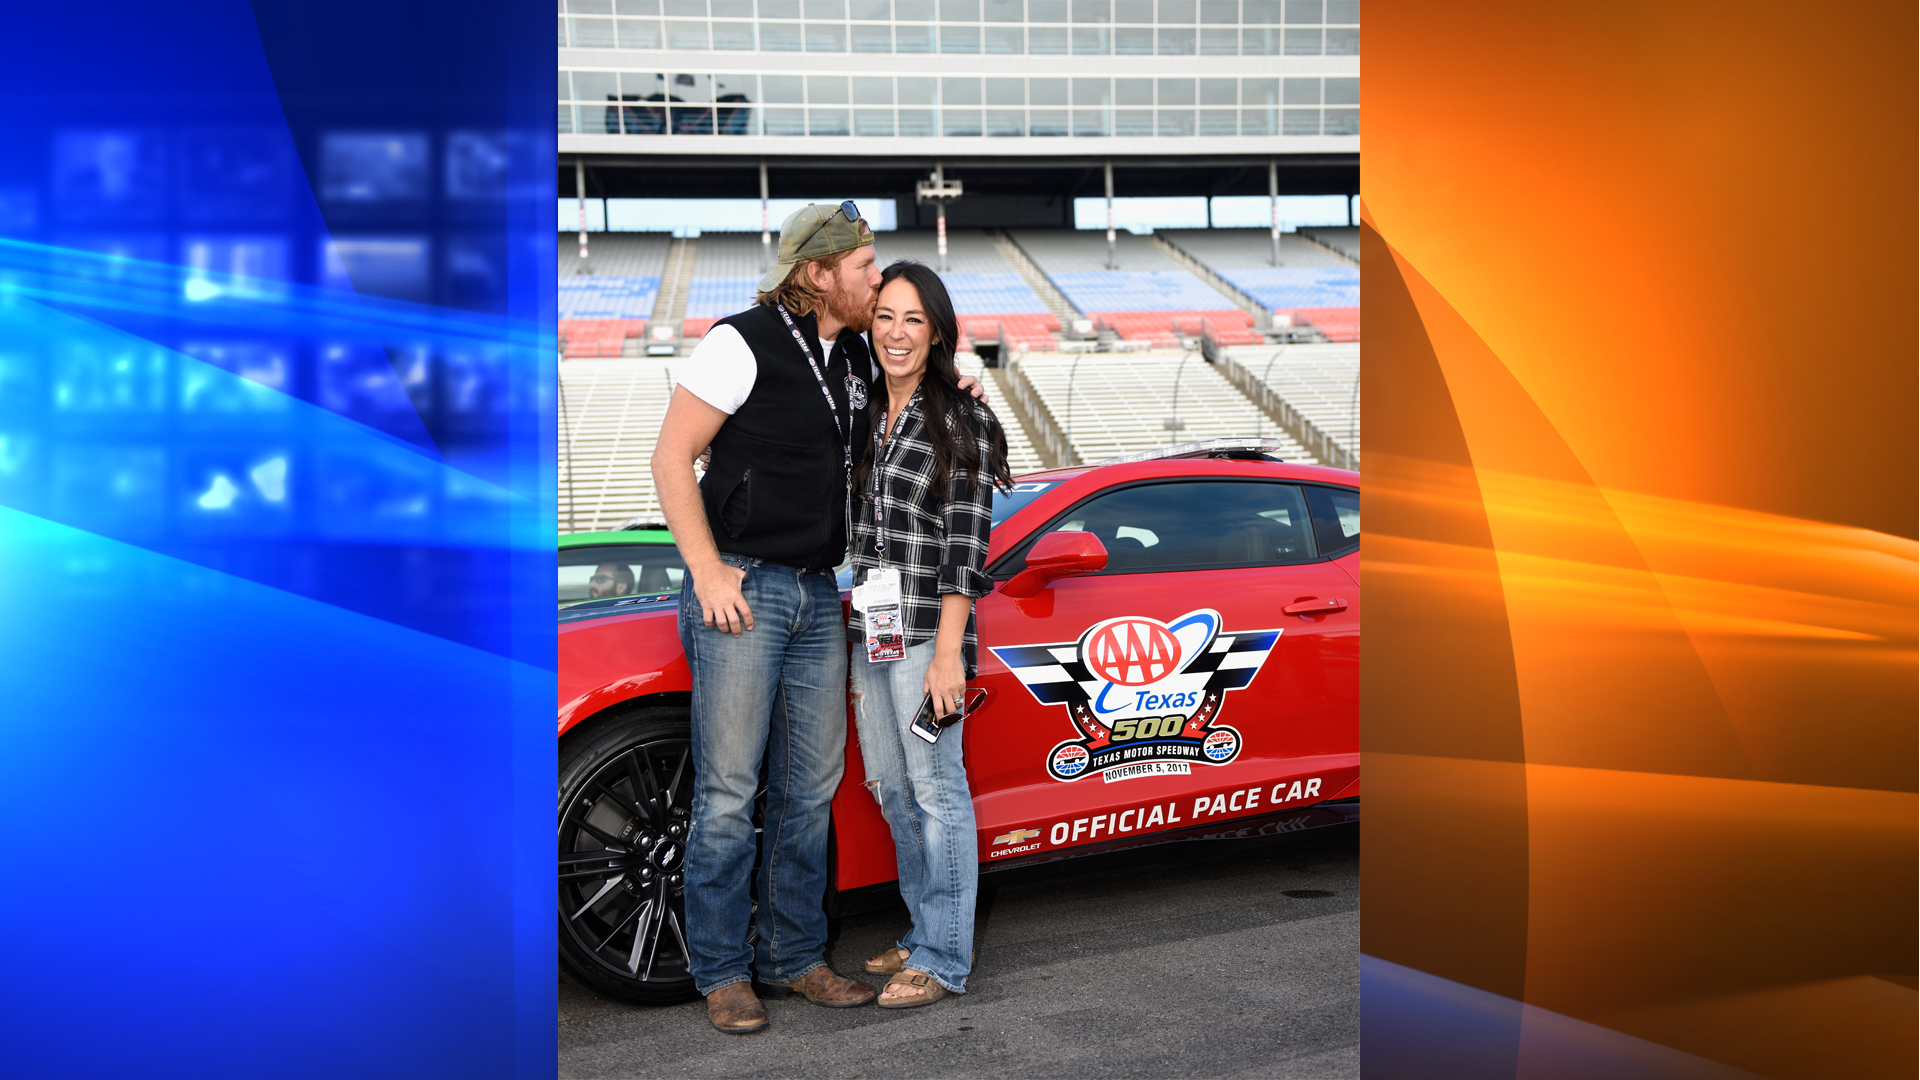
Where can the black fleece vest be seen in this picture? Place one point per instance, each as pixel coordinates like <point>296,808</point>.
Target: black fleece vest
<point>776,488</point>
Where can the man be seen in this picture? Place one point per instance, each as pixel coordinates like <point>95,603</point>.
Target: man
<point>609,580</point>
<point>779,393</point>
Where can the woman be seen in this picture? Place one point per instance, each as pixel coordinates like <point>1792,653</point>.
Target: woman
<point>922,510</point>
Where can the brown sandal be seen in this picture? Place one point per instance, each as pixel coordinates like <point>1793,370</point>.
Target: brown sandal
<point>928,990</point>
<point>887,962</point>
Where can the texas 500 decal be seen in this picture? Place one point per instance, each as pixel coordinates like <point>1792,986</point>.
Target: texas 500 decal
<point>1144,695</point>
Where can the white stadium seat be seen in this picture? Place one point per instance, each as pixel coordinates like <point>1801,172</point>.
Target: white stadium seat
<point>1109,405</point>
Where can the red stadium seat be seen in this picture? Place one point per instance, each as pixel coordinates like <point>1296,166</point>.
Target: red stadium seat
<point>1165,329</point>
<point>693,328</point>
<point>1033,330</point>
<point>1334,324</point>
<point>598,337</point>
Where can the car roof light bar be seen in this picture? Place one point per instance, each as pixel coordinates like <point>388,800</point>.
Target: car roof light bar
<point>1204,448</point>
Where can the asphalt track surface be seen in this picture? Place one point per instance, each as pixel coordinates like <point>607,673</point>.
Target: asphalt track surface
<point>1189,960</point>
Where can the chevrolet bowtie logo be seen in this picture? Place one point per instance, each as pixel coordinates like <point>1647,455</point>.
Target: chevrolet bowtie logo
<point>1016,836</point>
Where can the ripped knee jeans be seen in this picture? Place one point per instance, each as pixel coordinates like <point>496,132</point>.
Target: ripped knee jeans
<point>922,791</point>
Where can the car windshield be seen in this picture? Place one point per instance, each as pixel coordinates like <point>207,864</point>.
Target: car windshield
<point>606,571</point>
<point>1008,503</point>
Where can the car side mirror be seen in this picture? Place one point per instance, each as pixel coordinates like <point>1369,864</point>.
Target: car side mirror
<point>1057,555</point>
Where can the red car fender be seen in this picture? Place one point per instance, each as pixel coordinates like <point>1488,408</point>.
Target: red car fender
<point>863,845</point>
<point>608,661</point>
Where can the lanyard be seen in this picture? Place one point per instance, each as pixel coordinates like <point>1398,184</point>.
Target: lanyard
<point>883,453</point>
<point>846,440</point>
<point>845,430</point>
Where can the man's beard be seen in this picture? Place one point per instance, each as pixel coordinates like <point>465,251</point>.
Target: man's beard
<point>855,309</point>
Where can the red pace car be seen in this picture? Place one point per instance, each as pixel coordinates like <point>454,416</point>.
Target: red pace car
<point>1171,652</point>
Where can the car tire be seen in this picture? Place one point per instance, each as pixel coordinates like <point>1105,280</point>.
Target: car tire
<point>626,799</point>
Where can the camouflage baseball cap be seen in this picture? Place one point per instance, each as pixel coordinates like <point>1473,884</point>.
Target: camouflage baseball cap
<point>815,230</point>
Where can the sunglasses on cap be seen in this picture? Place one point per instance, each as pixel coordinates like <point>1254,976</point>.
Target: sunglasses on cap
<point>851,211</point>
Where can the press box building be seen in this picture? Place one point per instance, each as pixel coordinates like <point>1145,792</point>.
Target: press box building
<point>1005,84</point>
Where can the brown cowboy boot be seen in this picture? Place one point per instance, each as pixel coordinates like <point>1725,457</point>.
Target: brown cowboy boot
<point>735,1010</point>
<point>822,987</point>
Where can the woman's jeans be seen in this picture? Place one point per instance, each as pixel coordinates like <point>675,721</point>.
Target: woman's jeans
<point>922,788</point>
<point>777,691</point>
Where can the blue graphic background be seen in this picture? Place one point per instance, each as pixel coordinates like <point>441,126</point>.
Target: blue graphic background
<point>276,534</point>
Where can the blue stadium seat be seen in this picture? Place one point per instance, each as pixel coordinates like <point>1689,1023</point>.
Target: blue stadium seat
<point>608,297</point>
<point>1137,290</point>
<point>1285,288</point>
<point>719,297</point>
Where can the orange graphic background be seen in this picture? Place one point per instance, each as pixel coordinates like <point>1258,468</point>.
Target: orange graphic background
<point>1639,687</point>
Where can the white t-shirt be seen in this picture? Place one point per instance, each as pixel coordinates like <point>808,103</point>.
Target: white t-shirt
<point>720,370</point>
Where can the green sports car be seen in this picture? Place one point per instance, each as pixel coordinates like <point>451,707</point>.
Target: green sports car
<point>639,560</point>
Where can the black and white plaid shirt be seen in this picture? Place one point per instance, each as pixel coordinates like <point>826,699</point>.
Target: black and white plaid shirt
<point>938,547</point>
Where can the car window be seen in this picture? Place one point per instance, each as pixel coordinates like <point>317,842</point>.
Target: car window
<point>1336,519</point>
<point>599,573</point>
<point>1007,503</point>
<point>1193,525</point>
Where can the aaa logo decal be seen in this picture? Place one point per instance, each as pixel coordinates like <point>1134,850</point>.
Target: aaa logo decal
<point>1140,690</point>
<point>1132,652</point>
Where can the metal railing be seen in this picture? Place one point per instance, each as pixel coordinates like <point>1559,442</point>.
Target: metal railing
<point>1262,314</point>
<point>1052,444</point>
<point>1312,239</point>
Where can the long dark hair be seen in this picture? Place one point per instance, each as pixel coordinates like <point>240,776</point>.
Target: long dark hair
<point>940,395</point>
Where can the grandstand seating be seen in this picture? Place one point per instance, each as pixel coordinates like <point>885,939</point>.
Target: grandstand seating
<point>726,268</point>
<point>1327,298</point>
<point>1334,324</point>
<point>1021,457</point>
<point>599,311</point>
<point>620,255</point>
<point>1143,299</point>
<point>1285,288</point>
<point>968,251</point>
<point>1030,331</point>
<point>608,297</point>
<point>1113,405</point>
<point>1248,249</point>
<point>994,304</point>
<point>1342,238</point>
<point>1138,290</point>
<point>1167,329</point>
<point>598,337</point>
<point>1321,382</point>
<point>610,414</point>
<point>1313,285</point>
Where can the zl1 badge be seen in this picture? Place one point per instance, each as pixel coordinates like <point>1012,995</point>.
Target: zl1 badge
<point>1144,695</point>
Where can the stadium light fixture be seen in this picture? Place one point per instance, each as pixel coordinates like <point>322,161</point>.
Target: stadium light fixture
<point>766,235</point>
<point>580,194</point>
<point>1112,264</point>
<point>938,191</point>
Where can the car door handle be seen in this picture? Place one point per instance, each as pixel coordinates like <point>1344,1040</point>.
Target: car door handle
<point>1316,606</point>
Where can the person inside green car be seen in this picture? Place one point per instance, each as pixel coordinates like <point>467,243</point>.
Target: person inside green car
<point>609,580</point>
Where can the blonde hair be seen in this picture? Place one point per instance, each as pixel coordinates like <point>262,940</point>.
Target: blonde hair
<point>798,293</point>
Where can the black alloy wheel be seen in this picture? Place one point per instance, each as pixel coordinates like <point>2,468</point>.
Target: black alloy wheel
<point>626,798</point>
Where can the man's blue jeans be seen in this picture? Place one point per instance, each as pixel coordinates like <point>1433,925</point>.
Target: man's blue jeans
<point>778,692</point>
<point>922,788</point>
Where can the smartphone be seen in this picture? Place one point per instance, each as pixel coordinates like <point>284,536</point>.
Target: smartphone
<point>925,724</point>
<point>928,726</point>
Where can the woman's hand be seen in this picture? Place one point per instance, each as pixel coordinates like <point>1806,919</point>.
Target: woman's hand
<point>946,682</point>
